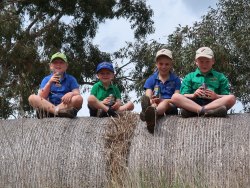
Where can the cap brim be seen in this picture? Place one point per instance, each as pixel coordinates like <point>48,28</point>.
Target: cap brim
<point>202,55</point>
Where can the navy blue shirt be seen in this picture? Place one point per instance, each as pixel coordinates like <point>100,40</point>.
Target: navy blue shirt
<point>68,83</point>
<point>168,88</point>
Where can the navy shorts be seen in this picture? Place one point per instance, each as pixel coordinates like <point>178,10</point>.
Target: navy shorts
<point>201,101</point>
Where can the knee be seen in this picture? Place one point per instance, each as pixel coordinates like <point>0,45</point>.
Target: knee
<point>231,100</point>
<point>79,99</point>
<point>176,97</point>
<point>91,99</point>
<point>32,98</point>
<point>130,106</point>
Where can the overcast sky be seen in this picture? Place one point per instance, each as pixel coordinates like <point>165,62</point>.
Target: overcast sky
<point>168,14</point>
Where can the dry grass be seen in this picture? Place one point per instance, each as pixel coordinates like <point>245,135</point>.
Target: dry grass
<point>118,138</point>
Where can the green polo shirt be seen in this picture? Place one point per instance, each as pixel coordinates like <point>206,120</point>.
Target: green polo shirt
<point>100,92</point>
<point>214,80</point>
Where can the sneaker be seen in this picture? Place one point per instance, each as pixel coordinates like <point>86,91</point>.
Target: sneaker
<point>186,113</point>
<point>145,103</point>
<point>68,112</point>
<point>218,112</point>
<point>150,118</point>
<point>111,112</point>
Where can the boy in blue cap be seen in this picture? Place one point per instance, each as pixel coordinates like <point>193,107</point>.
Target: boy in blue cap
<point>105,96</point>
<point>159,89</point>
<point>59,93</point>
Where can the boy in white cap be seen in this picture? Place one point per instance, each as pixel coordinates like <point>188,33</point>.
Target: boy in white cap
<point>204,92</point>
<point>105,97</point>
<point>59,94</point>
<point>159,88</point>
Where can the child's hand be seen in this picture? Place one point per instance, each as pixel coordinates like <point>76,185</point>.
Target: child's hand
<point>200,92</point>
<point>106,101</point>
<point>209,94</point>
<point>116,106</point>
<point>67,97</point>
<point>55,78</point>
<point>155,100</point>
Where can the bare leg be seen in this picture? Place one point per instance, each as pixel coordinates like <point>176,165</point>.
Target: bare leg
<point>226,100</point>
<point>128,106</point>
<point>163,106</point>
<point>75,102</point>
<point>183,102</point>
<point>38,102</point>
<point>95,103</point>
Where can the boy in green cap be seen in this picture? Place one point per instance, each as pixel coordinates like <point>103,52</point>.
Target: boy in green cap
<point>59,93</point>
<point>204,92</point>
<point>105,96</point>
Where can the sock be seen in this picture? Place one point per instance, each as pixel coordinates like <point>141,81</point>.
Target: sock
<point>56,110</point>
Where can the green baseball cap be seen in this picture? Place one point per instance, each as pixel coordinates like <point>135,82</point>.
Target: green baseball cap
<point>59,55</point>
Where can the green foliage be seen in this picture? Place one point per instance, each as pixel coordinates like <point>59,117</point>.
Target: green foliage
<point>225,30</point>
<point>31,31</point>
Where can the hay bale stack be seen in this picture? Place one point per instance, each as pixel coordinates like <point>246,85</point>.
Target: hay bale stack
<point>199,152</point>
<point>55,152</point>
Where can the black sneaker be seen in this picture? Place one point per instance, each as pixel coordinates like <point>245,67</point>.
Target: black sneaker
<point>145,103</point>
<point>218,112</point>
<point>111,112</point>
<point>150,118</point>
<point>186,113</point>
<point>68,112</point>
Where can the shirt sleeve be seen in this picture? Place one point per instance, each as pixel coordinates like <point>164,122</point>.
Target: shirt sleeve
<point>178,83</point>
<point>186,87</point>
<point>94,90</point>
<point>224,85</point>
<point>149,84</point>
<point>44,82</point>
<point>74,84</point>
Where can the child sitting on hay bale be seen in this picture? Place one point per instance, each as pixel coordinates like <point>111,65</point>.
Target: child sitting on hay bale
<point>105,98</point>
<point>204,92</point>
<point>59,94</point>
<point>159,89</point>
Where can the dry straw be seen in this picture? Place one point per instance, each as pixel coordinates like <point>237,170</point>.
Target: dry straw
<point>118,138</point>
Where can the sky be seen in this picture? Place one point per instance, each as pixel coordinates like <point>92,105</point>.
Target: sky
<point>168,14</point>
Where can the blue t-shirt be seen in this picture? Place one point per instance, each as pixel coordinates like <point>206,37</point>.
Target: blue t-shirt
<point>168,88</point>
<point>68,83</point>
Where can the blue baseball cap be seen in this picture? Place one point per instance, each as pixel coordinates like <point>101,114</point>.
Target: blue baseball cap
<point>105,65</point>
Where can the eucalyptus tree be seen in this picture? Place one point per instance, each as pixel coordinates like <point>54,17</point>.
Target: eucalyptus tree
<point>225,29</point>
<point>31,31</point>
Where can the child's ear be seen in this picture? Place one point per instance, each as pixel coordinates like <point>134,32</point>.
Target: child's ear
<point>97,76</point>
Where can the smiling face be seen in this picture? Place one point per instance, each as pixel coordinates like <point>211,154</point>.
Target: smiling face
<point>164,65</point>
<point>58,65</point>
<point>205,64</point>
<point>106,76</point>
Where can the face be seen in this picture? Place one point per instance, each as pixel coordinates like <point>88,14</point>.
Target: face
<point>105,75</point>
<point>205,64</point>
<point>58,65</point>
<point>164,64</point>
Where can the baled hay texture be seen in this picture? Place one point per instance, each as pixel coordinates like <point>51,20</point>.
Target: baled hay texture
<point>203,152</point>
<point>118,138</point>
<point>53,152</point>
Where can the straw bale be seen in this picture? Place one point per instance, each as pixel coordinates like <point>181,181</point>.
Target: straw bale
<point>53,152</point>
<point>118,139</point>
<point>201,152</point>
<point>92,152</point>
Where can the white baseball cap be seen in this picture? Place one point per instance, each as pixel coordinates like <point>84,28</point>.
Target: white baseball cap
<point>164,52</point>
<point>204,52</point>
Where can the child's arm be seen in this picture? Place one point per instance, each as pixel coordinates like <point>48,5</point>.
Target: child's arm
<point>44,92</point>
